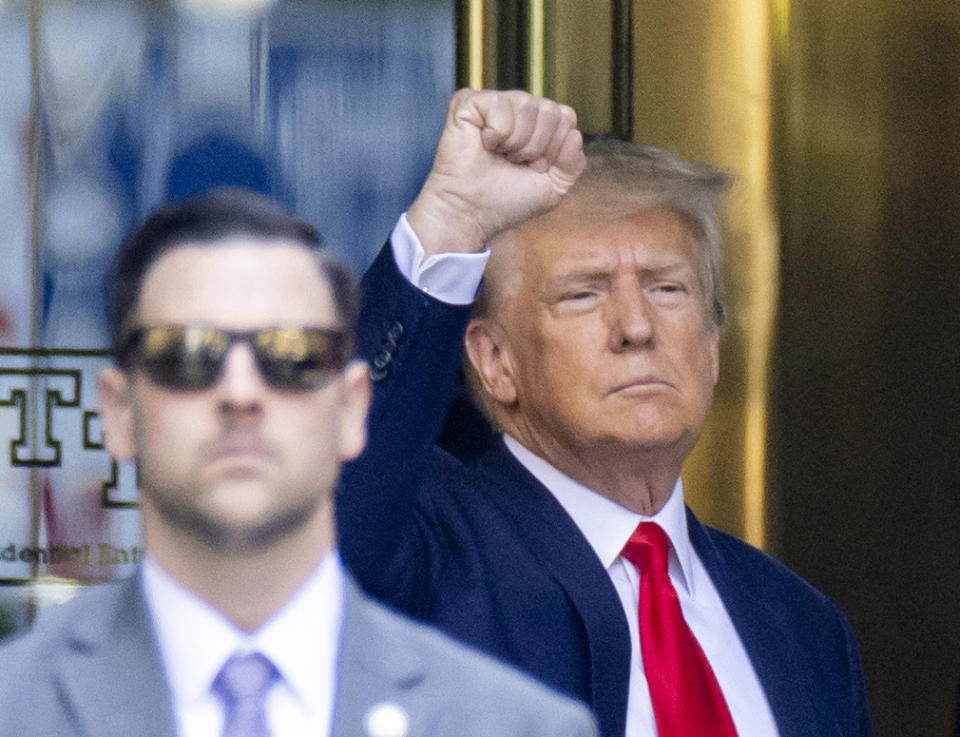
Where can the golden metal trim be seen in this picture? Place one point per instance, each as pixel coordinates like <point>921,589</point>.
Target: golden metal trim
<point>475,44</point>
<point>764,285</point>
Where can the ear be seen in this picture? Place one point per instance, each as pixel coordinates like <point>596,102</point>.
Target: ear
<point>487,349</point>
<point>715,353</point>
<point>115,405</point>
<point>356,404</point>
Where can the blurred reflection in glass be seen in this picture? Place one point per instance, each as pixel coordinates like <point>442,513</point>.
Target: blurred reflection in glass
<point>108,108</point>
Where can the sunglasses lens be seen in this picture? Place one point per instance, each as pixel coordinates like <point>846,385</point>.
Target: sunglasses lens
<point>186,358</point>
<point>182,358</point>
<point>299,359</point>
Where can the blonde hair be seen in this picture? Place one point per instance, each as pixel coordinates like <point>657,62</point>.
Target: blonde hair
<point>647,176</point>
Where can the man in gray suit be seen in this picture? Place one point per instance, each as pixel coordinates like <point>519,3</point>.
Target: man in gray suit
<point>236,396</point>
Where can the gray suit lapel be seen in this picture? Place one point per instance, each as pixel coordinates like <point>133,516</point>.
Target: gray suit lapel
<point>110,672</point>
<point>377,666</point>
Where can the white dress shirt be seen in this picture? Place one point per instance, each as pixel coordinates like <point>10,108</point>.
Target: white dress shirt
<point>450,277</point>
<point>301,639</point>
<point>607,526</point>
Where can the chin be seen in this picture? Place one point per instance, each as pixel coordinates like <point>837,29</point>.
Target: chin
<point>240,524</point>
<point>248,537</point>
<point>656,438</point>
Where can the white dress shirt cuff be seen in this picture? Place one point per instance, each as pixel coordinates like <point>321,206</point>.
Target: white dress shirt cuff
<point>450,277</point>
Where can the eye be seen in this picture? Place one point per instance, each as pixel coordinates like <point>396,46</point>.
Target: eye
<point>578,295</point>
<point>578,300</point>
<point>574,301</point>
<point>669,287</point>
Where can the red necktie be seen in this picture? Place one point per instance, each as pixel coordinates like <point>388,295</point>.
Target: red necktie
<point>687,702</point>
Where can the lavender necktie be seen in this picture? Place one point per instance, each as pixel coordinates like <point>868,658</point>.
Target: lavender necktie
<point>243,683</point>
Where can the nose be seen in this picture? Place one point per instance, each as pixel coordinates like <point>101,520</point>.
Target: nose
<point>629,318</point>
<point>239,386</point>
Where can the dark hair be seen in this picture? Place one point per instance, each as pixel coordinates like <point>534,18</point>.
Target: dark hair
<point>208,218</point>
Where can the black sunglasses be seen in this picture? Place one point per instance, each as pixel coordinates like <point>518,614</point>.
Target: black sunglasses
<point>190,357</point>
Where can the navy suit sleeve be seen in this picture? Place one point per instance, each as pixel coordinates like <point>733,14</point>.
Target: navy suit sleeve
<point>413,345</point>
<point>858,692</point>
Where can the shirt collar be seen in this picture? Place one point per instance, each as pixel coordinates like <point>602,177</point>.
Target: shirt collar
<point>195,639</point>
<point>606,525</point>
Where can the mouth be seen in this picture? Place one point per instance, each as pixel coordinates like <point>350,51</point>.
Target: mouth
<point>642,384</point>
<point>239,451</point>
<point>238,462</point>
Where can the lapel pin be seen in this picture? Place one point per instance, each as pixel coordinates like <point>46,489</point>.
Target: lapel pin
<point>386,719</point>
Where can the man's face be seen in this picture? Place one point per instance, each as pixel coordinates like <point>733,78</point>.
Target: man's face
<point>239,465</point>
<point>607,350</point>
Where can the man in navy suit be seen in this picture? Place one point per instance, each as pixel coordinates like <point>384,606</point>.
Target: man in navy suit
<point>594,349</point>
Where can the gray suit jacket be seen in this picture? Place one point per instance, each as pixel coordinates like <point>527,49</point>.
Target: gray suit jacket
<point>91,668</point>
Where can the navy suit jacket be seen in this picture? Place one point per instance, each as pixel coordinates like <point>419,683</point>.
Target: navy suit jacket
<point>486,552</point>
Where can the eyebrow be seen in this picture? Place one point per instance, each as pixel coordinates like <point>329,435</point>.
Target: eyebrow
<point>669,269</point>
<point>578,277</point>
<point>562,282</point>
<point>594,275</point>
